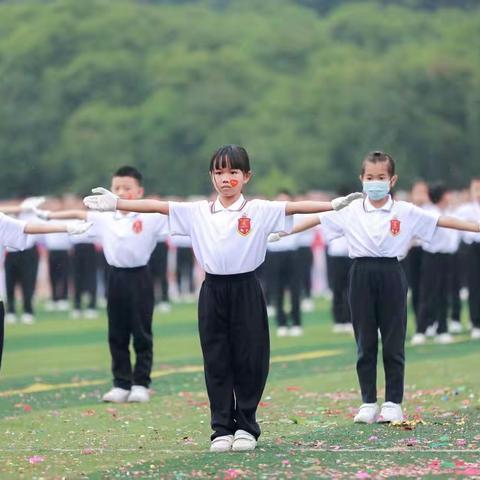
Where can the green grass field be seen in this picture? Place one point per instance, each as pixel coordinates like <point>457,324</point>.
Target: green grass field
<point>53,424</point>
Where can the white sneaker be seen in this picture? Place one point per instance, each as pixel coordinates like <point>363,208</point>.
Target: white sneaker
<point>455,327</point>
<point>295,331</point>
<point>431,331</point>
<point>338,328</point>
<point>50,306</point>
<point>27,319</point>
<point>10,318</point>
<point>75,314</point>
<point>139,394</point>
<point>91,313</point>
<point>348,328</point>
<point>308,305</point>
<point>367,413</point>
<point>116,395</point>
<point>418,339</point>
<point>390,412</point>
<point>243,441</point>
<point>222,444</point>
<point>164,307</point>
<point>444,338</point>
<point>63,305</point>
<point>475,334</point>
<point>282,331</point>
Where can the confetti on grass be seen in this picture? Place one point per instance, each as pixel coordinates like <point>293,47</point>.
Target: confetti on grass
<point>36,459</point>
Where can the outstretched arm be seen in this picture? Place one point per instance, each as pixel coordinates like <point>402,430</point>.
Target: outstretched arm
<point>299,227</point>
<point>318,207</point>
<point>143,206</point>
<point>32,228</point>
<point>457,224</point>
<point>106,201</point>
<point>30,204</point>
<point>63,215</point>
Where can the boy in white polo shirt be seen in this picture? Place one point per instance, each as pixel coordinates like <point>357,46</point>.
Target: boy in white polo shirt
<point>379,231</point>
<point>128,240</point>
<point>14,234</point>
<point>229,239</point>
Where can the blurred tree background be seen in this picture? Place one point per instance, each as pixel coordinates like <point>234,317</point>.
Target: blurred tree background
<point>308,86</point>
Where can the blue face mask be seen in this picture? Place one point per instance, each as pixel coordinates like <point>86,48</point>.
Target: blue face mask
<point>376,189</point>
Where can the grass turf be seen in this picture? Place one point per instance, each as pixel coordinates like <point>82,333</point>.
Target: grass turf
<point>54,426</point>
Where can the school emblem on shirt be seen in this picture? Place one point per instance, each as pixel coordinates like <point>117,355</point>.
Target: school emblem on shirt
<point>137,226</point>
<point>244,225</point>
<point>394,226</point>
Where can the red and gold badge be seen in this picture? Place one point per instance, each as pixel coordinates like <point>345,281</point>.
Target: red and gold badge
<point>244,225</point>
<point>137,226</point>
<point>394,226</point>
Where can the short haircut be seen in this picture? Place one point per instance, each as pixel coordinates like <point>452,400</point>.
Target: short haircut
<point>379,157</point>
<point>436,192</point>
<point>230,156</point>
<point>127,171</point>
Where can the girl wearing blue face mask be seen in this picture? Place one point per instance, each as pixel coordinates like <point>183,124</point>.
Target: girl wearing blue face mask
<point>379,231</point>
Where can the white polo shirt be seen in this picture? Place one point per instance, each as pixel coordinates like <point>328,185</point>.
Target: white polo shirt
<point>470,212</point>
<point>128,240</point>
<point>444,240</point>
<point>379,232</point>
<point>290,243</point>
<point>181,241</point>
<point>307,237</point>
<point>229,240</point>
<point>57,241</point>
<point>12,233</point>
<point>338,247</point>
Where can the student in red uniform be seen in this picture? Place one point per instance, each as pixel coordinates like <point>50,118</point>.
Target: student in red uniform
<point>229,239</point>
<point>379,230</point>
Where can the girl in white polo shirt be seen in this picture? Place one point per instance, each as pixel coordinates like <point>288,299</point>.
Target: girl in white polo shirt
<point>378,231</point>
<point>229,239</point>
<point>14,234</point>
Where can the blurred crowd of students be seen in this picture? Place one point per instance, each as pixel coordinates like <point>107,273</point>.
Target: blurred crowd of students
<point>298,268</point>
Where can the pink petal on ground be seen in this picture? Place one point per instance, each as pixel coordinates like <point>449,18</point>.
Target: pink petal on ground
<point>36,459</point>
<point>362,474</point>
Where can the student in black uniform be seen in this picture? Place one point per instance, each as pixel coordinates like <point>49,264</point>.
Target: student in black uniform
<point>379,230</point>
<point>471,211</point>
<point>21,267</point>
<point>128,240</point>
<point>413,260</point>
<point>58,247</point>
<point>14,234</point>
<point>229,238</point>
<point>285,275</point>
<point>436,272</point>
<point>158,265</point>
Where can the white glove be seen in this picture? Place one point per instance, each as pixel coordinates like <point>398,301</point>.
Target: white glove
<point>42,214</point>
<point>342,202</point>
<point>105,201</point>
<point>273,237</point>
<point>78,228</point>
<point>31,203</point>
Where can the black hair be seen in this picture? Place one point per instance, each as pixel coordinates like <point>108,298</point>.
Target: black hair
<point>230,156</point>
<point>127,171</point>
<point>378,156</point>
<point>436,191</point>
